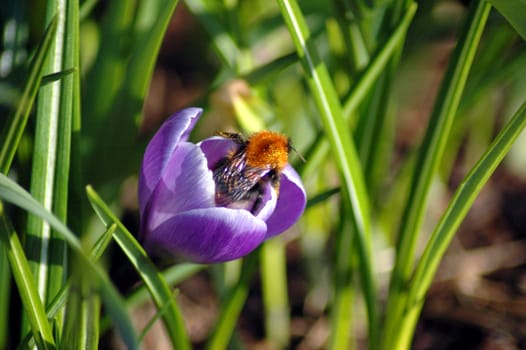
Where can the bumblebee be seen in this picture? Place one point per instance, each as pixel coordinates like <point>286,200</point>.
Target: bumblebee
<point>242,175</point>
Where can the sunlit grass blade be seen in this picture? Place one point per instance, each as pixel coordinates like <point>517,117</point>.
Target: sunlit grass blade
<point>373,129</point>
<point>378,63</point>
<point>14,128</point>
<point>231,308</point>
<point>69,98</point>
<point>60,299</point>
<point>173,276</point>
<point>344,288</point>
<point>444,232</point>
<point>343,151</point>
<point>50,162</point>
<point>81,321</point>
<point>11,135</point>
<point>14,194</point>
<point>363,86</point>
<point>25,282</point>
<point>275,292</point>
<point>154,319</point>
<point>429,157</point>
<point>156,284</point>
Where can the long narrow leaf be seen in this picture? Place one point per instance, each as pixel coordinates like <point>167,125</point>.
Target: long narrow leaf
<point>41,244</point>
<point>60,299</point>
<point>429,157</point>
<point>117,118</point>
<point>513,11</point>
<point>13,130</point>
<point>147,271</point>
<point>69,98</point>
<point>275,293</point>
<point>222,39</point>
<point>342,147</point>
<point>344,288</point>
<point>231,309</point>
<point>14,194</point>
<point>459,206</point>
<point>26,284</point>
<point>12,133</point>
<point>364,85</point>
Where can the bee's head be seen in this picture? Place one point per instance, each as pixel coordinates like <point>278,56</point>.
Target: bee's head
<point>268,149</point>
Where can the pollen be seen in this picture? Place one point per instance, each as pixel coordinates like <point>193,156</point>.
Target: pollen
<point>268,149</point>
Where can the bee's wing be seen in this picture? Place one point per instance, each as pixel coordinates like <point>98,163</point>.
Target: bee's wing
<point>235,179</point>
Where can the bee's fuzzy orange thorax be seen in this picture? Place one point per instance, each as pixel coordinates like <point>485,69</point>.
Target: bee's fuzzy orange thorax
<point>268,149</point>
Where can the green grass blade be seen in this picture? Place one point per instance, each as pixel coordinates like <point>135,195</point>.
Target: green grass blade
<point>81,322</point>
<point>513,11</point>
<point>157,286</point>
<point>68,99</point>
<point>86,8</point>
<point>343,150</point>
<point>12,133</point>
<point>109,64</point>
<point>222,39</point>
<point>153,19</point>
<point>378,63</point>
<point>11,192</point>
<point>444,232</point>
<point>275,292</point>
<point>231,308</point>
<point>5,296</point>
<point>50,78</point>
<point>42,246</point>
<point>154,319</point>
<point>14,194</point>
<point>24,279</point>
<point>344,289</point>
<point>173,276</point>
<point>61,298</point>
<point>372,129</point>
<point>114,306</point>
<point>268,72</point>
<point>363,86</point>
<point>429,157</point>
<point>117,118</point>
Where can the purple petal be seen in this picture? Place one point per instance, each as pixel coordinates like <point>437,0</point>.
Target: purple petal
<point>173,131</point>
<point>208,235</point>
<point>216,148</point>
<point>291,202</point>
<point>268,202</point>
<point>186,184</point>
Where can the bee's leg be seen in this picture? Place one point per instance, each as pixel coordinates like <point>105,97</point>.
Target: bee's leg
<point>275,180</point>
<point>257,193</point>
<point>258,188</point>
<point>237,138</point>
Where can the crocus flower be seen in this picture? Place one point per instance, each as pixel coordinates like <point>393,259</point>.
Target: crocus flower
<point>179,215</point>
